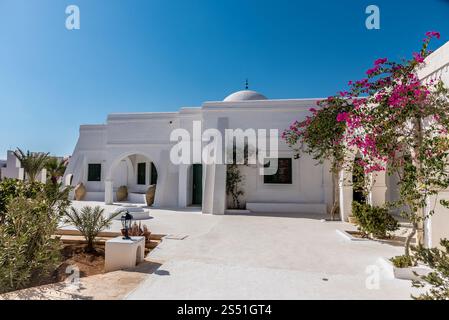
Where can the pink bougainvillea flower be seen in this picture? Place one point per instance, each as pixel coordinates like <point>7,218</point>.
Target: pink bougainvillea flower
<point>418,57</point>
<point>373,70</point>
<point>342,117</point>
<point>433,34</point>
<point>313,110</point>
<point>380,61</point>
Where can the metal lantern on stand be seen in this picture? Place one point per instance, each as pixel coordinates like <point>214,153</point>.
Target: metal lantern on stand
<point>126,220</point>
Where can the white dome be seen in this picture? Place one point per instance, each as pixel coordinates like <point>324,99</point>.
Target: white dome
<point>245,95</point>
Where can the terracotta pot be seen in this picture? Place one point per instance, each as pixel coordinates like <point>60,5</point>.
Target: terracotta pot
<point>122,194</point>
<point>151,192</point>
<point>80,191</point>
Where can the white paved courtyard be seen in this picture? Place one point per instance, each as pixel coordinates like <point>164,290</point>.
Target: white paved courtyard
<point>262,257</point>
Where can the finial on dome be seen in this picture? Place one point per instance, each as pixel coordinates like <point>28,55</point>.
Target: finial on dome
<point>246,84</point>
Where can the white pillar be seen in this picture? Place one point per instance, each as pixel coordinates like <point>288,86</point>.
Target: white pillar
<point>183,186</point>
<point>378,193</point>
<point>108,191</point>
<point>219,202</point>
<point>346,195</point>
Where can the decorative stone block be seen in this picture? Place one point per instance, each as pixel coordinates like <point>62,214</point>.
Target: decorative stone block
<point>124,254</point>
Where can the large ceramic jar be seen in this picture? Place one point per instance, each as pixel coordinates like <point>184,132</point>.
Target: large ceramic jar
<point>122,194</point>
<point>151,192</point>
<point>80,191</point>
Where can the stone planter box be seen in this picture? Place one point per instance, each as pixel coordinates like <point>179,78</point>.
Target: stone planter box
<point>348,236</point>
<point>405,273</point>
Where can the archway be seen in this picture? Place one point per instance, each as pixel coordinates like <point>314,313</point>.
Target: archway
<point>138,173</point>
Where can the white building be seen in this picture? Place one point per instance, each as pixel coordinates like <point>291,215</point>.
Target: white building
<point>12,169</point>
<point>133,150</point>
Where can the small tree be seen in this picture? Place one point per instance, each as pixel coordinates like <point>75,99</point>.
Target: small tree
<point>234,180</point>
<point>31,162</point>
<point>90,222</point>
<point>321,135</point>
<point>234,177</point>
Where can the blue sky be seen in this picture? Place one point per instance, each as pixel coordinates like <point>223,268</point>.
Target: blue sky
<point>160,55</point>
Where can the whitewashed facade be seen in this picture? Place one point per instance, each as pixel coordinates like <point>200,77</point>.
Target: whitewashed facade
<point>133,144</point>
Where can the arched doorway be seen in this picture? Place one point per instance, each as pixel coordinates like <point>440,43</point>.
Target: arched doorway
<point>136,172</point>
<point>358,181</point>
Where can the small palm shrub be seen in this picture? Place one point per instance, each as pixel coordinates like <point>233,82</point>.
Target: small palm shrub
<point>90,222</point>
<point>27,248</point>
<point>438,279</point>
<point>374,221</point>
<point>32,162</point>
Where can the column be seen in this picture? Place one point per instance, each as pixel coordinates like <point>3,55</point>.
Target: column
<point>108,191</point>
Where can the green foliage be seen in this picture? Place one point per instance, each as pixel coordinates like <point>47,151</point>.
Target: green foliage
<point>320,135</point>
<point>55,196</point>
<point>375,221</point>
<point>31,162</point>
<point>29,215</point>
<point>55,168</point>
<point>234,180</point>
<point>438,279</point>
<point>403,261</point>
<point>90,222</point>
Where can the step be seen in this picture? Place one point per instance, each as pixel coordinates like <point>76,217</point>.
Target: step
<point>135,197</point>
<point>94,196</point>
<point>318,208</point>
<point>100,241</point>
<point>103,234</point>
<point>138,213</point>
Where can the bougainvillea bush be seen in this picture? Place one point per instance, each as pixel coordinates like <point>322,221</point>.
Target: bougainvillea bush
<point>397,122</point>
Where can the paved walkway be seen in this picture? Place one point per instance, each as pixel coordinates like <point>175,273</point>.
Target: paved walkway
<point>258,257</point>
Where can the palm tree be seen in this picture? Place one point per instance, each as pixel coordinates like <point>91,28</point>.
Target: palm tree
<point>32,162</point>
<point>90,222</point>
<point>55,168</point>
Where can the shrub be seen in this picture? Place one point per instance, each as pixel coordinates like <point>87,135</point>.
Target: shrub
<point>438,279</point>
<point>374,221</point>
<point>55,196</point>
<point>403,261</point>
<point>90,222</point>
<point>27,249</point>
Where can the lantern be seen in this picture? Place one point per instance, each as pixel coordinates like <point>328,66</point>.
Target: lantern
<point>126,220</point>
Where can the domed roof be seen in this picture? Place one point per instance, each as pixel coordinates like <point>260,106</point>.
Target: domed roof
<point>245,95</point>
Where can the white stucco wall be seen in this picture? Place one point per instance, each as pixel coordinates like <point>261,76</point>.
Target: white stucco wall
<point>127,139</point>
<point>437,227</point>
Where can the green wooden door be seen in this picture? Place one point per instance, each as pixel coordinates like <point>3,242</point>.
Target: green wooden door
<point>197,185</point>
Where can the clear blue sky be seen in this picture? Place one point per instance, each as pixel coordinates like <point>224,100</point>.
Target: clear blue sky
<point>160,55</point>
